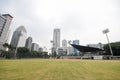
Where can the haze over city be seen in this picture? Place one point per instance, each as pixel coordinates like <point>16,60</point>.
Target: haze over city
<point>77,19</point>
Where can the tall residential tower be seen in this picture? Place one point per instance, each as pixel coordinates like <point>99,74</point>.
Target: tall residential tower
<point>76,52</point>
<point>5,21</point>
<point>19,37</point>
<point>64,45</point>
<point>56,39</point>
<point>35,47</point>
<point>28,43</point>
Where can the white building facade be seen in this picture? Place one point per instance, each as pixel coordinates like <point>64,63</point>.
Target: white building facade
<point>70,51</point>
<point>99,45</point>
<point>56,39</point>
<point>28,43</point>
<point>5,21</point>
<point>64,45</point>
<point>60,51</point>
<point>40,49</point>
<point>35,47</point>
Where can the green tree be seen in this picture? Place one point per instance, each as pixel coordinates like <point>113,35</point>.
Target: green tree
<point>45,55</point>
<point>9,53</point>
<point>23,52</point>
<point>5,45</point>
<point>115,48</point>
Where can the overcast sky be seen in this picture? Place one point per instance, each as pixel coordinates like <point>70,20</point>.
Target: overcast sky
<point>77,19</point>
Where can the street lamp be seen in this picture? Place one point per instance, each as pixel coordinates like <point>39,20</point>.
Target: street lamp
<point>105,32</point>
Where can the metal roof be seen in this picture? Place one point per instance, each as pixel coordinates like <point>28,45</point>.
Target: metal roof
<point>86,48</point>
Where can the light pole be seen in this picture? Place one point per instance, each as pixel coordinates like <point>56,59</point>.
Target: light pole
<point>105,32</point>
<point>52,47</point>
<point>15,54</point>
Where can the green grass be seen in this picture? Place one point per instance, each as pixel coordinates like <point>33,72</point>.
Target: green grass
<point>53,69</point>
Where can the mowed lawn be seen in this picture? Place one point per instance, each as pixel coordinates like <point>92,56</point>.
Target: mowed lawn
<point>58,69</point>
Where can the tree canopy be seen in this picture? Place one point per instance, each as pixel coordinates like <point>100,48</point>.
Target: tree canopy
<point>115,48</point>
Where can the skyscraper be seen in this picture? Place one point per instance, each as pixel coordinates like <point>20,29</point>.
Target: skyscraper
<point>40,49</point>
<point>28,43</point>
<point>35,47</point>
<point>70,51</point>
<point>5,21</point>
<point>19,37</point>
<point>99,45</point>
<point>76,52</point>
<point>56,39</point>
<point>64,47</point>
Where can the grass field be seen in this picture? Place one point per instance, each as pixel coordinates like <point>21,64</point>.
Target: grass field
<point>53,69</point>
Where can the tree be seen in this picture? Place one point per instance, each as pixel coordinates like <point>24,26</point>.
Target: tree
<point>115,48</point>
<point>22,52</point>
<point>45,54</point>
<point>7,54</point>
<point>9,46</point>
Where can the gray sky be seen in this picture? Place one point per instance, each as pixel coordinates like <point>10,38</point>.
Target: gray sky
<point>77,19</point>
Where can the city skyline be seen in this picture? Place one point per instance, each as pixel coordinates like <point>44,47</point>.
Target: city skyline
<point>82,20</point>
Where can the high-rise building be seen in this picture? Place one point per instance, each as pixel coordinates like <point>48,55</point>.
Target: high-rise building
<point>44,49</point>
<point>60,51</point>
<point>35,47</point>
<point>76,42</point>
<point>99,45</point>
<point>19,37</point>
<point>56,39</point>
<point>64,45</point>
<point>70,51</point>
<point>5,21</point>
<point>40,49</point>
<point>8,37</point>
<point>28,43</point>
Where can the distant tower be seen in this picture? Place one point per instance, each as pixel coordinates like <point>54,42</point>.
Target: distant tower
<point>35,47</point>
<point>76,52</point>
<point>70,51</point>
<point>19,37</point>
<point>5,21</point>
<point>28,43</point>
<point>40,49</point>
<point>56,39</point>
<point>44,49</point>
<point>64,45</point>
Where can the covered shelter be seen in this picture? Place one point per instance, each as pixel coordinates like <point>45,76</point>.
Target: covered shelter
<point>86,48</point>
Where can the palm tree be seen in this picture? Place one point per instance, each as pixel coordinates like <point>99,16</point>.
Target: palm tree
<point>10,51</point>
